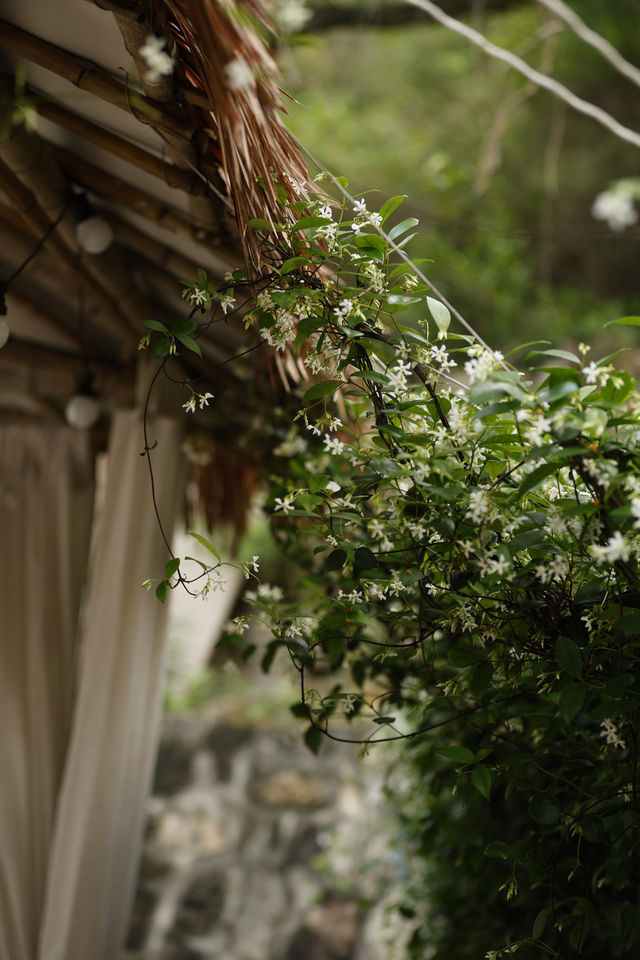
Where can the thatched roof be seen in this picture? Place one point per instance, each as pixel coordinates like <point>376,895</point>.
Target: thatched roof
<point>173,161</point>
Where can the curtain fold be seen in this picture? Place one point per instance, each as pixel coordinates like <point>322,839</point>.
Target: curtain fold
<point>100,816</point>
<point>46,493</point>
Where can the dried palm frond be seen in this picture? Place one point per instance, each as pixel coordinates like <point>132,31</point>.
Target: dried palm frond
<point>221,46</point>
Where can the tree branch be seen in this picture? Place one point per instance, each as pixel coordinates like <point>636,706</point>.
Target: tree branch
<point>547,83</point>
<point>328,16</point>
<point>595,40</point>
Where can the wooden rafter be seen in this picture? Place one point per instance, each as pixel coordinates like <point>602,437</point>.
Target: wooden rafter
<point>38,223</point>
<point>113,188</point>
<point>48,282</point>
<point>88,76</point>
<point>168,259</point>
<point>169,173</point>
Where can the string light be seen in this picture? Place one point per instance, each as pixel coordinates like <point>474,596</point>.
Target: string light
<point>93,233</point>
<point>83,407</point>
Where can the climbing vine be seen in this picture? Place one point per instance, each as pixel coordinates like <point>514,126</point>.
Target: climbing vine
<point>468,526</point>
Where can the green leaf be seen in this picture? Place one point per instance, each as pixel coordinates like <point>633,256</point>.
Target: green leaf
<point>336,560</point>
<point>155,325</point>
<point>318,482</point>
<point>440,313</point>
<point>540,923</point>
<point>184,325</point>
<point>481,679</point>
<point>161,591</point>
<point>568,656</point>
<point>171,567</point>
<point>571,701</point>
<point>390,205</point>
<point>536,476</point>
<point>320,390</point>
<point>206,544</point>
<point>544,808</point>
<point>370,241</point>
<point>313,739</point>
<point>498,849</point>
<point>189,343</point>
<point>481,779</point>
<point>402,227</point>
<point>626,321</point>
<point>457,754</point>
<point>365,559</point>
<point>259,223</point>
<point>161,348</point>
<point>464,656</point>
<point>560,354</point>
<point>399,300</point>
<point>310,223</point>
<point>629,624</point>
<point>293,263</point>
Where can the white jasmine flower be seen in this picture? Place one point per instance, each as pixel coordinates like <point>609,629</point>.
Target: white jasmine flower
<point>590,373</point>
<point>478,506</point>
<point>199,296</point>
<point>616,548</point>
<point>203,399</point>
<point>375,591</point>
<point>239,75</point>
<point>156,59</point>
<point>554,522</point>
<point>360,207</point>
<point>610,732</point>
<point>291,15</point>
<point>190,404</point>
<point>227,302</point>
<point>344,309</point>
<point>269,594</point>
<point>588,622</point>
<point>285,504</point>
<point>333,445</point>
<point>615,206</point>
<point>355,596</point>
<point>559,567</point>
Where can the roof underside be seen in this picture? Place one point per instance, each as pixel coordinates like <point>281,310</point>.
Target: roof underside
<point>172,164</point>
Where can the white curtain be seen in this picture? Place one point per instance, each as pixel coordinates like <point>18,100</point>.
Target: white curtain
<point>46,490</point>
<point>97,839</point>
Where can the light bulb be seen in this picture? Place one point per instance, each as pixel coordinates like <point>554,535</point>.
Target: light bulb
<point>82,410</point>
<point>4,331</point>
<point>94,234</point>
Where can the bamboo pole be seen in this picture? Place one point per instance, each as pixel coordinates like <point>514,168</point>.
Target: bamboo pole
<point>27,304</point>
<point>31,162</point>
<point>24,201</point>
<point>88,76</point>
<point>169,260</point>
<point>44,279</point>
<point>58,370</point>
<point>169,173</point>
<point>136,8</point>
<point>103,183</point>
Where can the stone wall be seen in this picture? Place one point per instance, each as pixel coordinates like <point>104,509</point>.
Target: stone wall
<point>258,850</point>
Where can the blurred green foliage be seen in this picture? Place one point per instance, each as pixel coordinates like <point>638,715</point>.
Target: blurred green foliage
<point>501,176</point>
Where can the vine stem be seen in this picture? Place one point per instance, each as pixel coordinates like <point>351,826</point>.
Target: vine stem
<point>147,453</point>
